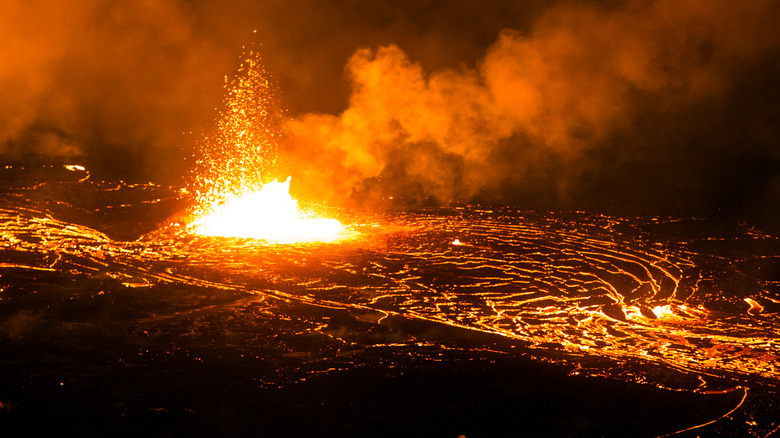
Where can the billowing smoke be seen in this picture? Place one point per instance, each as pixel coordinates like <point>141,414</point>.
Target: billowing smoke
<point>640,102</point>
<point>111,84</point>
<point>646,104</point>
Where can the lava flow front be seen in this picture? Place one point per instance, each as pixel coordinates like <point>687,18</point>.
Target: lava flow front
<point>232,179</point>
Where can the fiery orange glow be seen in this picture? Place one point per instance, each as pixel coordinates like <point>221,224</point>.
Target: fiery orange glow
<point>236,196</point>
<point>755,308</point>
<point>268,214</point>
<point>663,311</point>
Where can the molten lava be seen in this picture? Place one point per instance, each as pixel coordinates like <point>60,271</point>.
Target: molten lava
<point>269,214</point>
<point>236,196</point>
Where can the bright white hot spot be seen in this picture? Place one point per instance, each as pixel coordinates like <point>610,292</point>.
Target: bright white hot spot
<point>268,214</point>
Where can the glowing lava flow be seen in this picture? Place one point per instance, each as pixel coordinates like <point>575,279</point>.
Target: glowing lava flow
<point>268,214</point>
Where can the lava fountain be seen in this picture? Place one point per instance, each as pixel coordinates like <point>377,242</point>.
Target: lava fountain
<point>232,179</point>
<point>268,214</point>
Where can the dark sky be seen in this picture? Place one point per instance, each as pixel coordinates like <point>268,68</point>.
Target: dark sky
<point>647,107</point>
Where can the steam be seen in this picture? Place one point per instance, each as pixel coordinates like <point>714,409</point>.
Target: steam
<point>542,108</point>
<point>114,84</point>
<point>645,102</point>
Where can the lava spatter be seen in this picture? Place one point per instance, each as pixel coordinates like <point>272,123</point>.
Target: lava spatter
<point>233,177</point>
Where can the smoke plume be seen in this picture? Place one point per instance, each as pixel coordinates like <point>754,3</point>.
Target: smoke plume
<point>594,102</point>
<point>648,105</point>
<point>112,84</point>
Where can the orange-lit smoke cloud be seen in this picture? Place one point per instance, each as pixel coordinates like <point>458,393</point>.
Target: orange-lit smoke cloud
<point>536,107</point>
<point>113,83</point>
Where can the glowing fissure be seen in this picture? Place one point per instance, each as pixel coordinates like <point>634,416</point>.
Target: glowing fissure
<point>232,177</point>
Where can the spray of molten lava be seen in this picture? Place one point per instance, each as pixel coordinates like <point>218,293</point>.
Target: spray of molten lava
<point>236,196</point>
<point>269,214</point>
